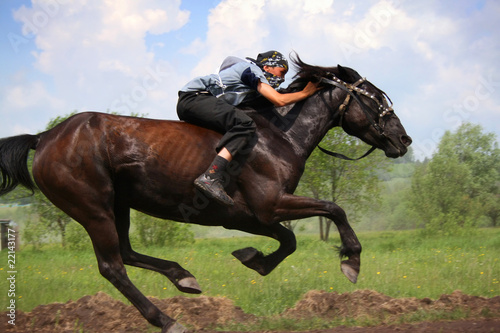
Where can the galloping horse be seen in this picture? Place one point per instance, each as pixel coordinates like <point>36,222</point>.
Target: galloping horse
<point>96,167</point>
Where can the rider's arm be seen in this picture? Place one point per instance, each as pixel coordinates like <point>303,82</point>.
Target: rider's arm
<point>279,99</point>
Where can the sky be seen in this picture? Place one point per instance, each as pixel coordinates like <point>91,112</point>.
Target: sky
<point>437,60</point>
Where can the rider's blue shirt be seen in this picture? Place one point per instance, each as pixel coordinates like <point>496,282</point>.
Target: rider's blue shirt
<point>236,82</point>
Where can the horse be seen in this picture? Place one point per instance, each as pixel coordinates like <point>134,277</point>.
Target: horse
<point>96,167</point>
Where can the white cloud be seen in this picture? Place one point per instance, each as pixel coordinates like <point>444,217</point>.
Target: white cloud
<point>25,106</point>
<point>29,95</point>
<point>196,46</point>
<point>95,51</point>
<point>234,27</point>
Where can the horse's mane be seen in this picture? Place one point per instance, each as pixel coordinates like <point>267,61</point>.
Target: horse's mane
<point>307,72</point>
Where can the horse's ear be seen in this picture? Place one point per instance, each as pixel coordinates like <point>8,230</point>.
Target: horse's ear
<point>342,72</point>
<point>346,74</point>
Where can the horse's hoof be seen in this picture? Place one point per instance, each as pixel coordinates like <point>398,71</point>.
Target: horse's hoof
<point>350,272</point>
<point>245,255</point>
<point>253,259</point>
<point>175,328</point>
<point>189,285</point>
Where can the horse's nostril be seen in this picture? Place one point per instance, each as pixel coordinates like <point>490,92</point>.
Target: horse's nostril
<point>406,140</point>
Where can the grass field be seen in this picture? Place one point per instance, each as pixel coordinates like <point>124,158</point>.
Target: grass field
<point>398,264</point>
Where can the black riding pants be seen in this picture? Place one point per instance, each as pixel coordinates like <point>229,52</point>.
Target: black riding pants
<point>206,110</point>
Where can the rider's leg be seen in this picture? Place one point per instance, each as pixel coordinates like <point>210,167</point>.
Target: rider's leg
<point>239,129</point>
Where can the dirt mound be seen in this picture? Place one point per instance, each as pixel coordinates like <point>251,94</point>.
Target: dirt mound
<point>102,313</point>
<point>371,304</point>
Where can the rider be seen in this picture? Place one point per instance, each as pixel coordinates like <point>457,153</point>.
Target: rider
<point>210,101</point>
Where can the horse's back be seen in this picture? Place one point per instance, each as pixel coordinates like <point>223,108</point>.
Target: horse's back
<point>146,159</point>
<point>115,133</point>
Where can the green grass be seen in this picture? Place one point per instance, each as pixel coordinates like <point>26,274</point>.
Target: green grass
<point>398,264</point>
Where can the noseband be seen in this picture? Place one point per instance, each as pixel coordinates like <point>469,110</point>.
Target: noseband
<point>352,91</point>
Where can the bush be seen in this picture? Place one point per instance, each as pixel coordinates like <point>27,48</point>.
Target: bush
<point>34,233</point>
<point>77,238</point>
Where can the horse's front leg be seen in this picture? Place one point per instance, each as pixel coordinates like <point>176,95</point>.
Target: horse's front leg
<point>292,207</point>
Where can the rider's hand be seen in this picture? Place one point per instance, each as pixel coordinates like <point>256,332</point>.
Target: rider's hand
<point>311,88</point>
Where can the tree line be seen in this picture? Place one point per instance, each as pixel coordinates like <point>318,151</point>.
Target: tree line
<point>455,190</point>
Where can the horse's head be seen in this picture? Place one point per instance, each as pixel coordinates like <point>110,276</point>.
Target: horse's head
<point>366,111</point>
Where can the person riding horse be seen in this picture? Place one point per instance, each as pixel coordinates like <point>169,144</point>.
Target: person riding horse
<point>211,101</point>
<point>96,167</point>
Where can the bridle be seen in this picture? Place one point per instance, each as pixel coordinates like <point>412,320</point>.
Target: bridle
<point>352,90</point>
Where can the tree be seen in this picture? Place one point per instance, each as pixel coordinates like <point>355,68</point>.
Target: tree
<point>461,183</point>
<point>491,205</point>
<point>52,218</point>
<point>353,184</point>
<point>34,233</point>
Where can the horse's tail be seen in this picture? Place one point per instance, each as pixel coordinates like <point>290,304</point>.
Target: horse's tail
<point>14,162</point>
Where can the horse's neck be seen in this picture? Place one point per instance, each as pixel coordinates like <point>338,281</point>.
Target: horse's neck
<point>313,122</point>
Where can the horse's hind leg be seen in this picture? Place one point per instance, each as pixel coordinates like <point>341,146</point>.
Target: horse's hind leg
<point>90,207</point>
<point>181,278</point>
<point>106,245</point>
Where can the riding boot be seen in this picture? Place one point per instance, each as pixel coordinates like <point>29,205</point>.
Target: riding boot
<point>211,182</point>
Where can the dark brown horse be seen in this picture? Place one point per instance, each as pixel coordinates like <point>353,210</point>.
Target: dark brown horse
<point>95,167</point>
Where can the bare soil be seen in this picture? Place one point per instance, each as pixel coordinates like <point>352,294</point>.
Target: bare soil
<point>101,313</point>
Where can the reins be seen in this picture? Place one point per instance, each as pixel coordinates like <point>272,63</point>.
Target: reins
<point>351,90</point>
<point>341,156</point>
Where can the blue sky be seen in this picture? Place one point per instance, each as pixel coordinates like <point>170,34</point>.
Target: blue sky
<point>437,60</point>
